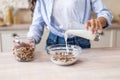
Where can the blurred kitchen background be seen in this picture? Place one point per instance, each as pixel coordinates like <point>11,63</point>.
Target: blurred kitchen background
<point>15,19</point>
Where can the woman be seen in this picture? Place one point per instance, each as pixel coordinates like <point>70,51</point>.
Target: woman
<point>55,13</point>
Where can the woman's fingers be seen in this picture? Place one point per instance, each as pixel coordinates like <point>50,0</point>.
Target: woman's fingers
<point>94,25</point>
<point>100,25</point>
<point>87,25</point>
<point>90,25</point>
<point>97,26</point>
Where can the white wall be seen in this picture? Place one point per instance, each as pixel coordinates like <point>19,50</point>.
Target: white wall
<point>23,5</point>
<point>113,5</point>
<point>13,3</point>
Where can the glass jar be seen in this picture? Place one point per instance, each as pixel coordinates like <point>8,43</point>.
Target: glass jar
<point>1,18</point>
<point>24,49</point>
<point>1,14</point>
<point>9,16</point>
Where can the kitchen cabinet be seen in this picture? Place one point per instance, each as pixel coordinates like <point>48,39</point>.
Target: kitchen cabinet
<point>7,39</point>
<point>103,42</point>
<point>0,43</point>
<point>110,38</point>
<point>42,44</point>
<point>7,33</point>
<point>118,38</point>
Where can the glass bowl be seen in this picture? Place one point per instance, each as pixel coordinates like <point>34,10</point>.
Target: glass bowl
<point>61,56</point>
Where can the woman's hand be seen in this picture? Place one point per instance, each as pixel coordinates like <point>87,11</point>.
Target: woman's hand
<point>96,24</point>
<point>18,44</point>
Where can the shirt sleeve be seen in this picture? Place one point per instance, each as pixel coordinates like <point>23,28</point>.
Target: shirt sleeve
<point>101,11</point>
<point>37,27</point>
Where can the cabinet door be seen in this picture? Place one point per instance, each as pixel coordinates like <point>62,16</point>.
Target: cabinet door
<point>0,43</point>
<point>104,41</point>
<point>7,39</point>
<point>42,44</point>
<point>118,38</point>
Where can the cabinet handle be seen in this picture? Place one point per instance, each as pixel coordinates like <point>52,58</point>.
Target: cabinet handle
<point>14,35</point>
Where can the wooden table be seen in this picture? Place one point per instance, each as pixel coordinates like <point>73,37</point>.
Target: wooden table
<point>93,64</point>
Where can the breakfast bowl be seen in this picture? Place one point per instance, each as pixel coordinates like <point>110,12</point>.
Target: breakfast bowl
<point>61,54</point>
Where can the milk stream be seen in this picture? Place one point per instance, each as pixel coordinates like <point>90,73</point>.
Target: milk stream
<point>82,33</point>
<point>78,29</point>
<point>65,36</point>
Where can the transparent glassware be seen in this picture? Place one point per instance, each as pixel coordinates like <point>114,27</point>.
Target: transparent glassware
<point>1,19</point>
<point>58,56</point>
<point>24,49</point>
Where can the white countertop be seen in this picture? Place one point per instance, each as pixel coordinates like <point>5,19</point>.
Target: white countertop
<point>15,27</point>
<point>26,27</point>
<point>93,64</point>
